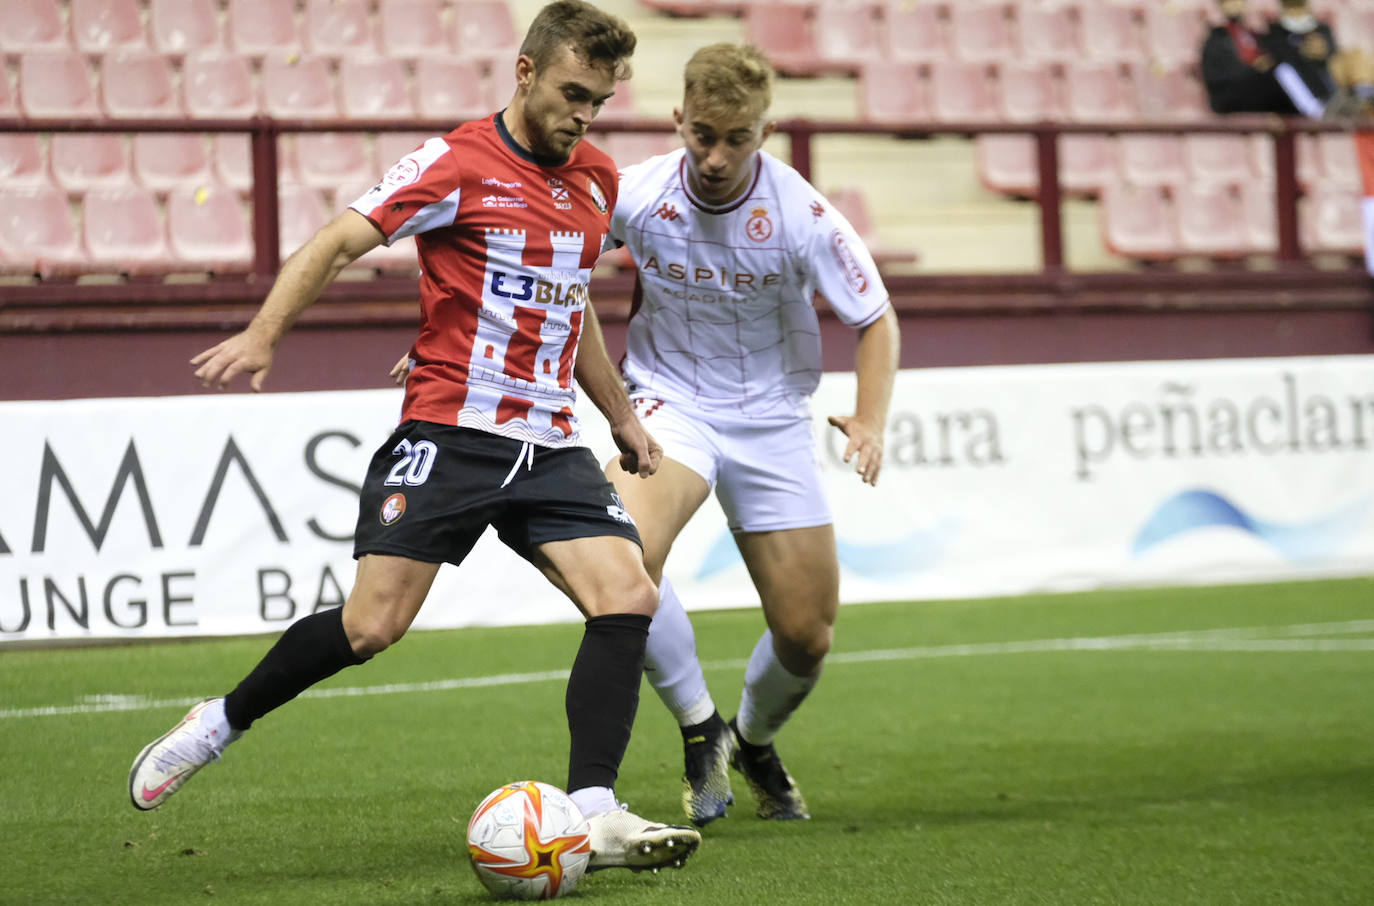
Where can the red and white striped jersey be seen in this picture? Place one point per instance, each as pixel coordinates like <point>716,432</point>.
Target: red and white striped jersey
<point>724,315</point>
<point>507,242</point>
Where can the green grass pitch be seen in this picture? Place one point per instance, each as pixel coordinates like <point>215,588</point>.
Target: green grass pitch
<point>1175,746</point>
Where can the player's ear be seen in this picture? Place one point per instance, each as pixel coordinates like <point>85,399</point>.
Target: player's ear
<point>768,129</point>
<point>524,72</point>
<point>677,116</point>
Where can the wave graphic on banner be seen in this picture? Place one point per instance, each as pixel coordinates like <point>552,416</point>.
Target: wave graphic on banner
<point>917,552</point>
<point>1192,510</point>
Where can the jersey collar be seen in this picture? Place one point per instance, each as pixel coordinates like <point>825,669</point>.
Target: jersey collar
<point>727,207</point>
<point>524,153</point>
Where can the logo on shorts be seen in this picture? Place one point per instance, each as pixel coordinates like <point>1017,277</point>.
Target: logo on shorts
<point>393,508</point>
<point>616,510</point>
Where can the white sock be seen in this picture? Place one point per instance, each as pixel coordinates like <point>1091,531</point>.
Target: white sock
<point>670,661</point>
<point>594,800</point>
<point>216,724</point>
<point>770,695</point>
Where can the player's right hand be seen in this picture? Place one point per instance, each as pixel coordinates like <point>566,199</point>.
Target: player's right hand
<point>243,353</point>
<point>401,370</point>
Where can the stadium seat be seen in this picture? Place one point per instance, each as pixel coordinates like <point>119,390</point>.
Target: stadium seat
<point>101,26</point>
<point>56,85</point>
<point>627,148</point>
<point>1028,92</point>
<point>853,205</point>
<point>21,160</point>
<point>1171,95</point>
<point>392,146</point>
<point>783,32</point>
<point>1261,218</point>
<point>893,93</point>
<point>215,84</point>
<point>1340,166</point>
<point>180,27</point>
<point>85,160</point>
<point>1046,33</point>
<point>9,104</point>
<point>1151,160</point>
<point>1006,164</point>
<point>980,32</point>
<point>622,105</point>
<point>1217,158</point>
<point>398,258</point>
<point>123,232</point>
<point>167,160</point>
<point>1309,162</point>
<point>302,88</point>
<point>962,92</point>
<point>1087,163</point>
<point>139,85</point>
<point>1107,32</point>
<point>32,25</point>
<point>1174,34</point>
<point>1211,220</point>
<point>1330,221</point>
<point>1099,92</point>
<point>300,212</point>
<point>261,28</point>
<point>232,157</point>
<point>327,159</point>
<point>207,228</point>
<point>453,90</point>
<point>484,30</point>
<point>846,35</point>
<point>1138,223</point>
<point>339,28</point>
<point>913,32</point>
<point>412,29</point>
<point>36,232</point>
<point>374,88</point>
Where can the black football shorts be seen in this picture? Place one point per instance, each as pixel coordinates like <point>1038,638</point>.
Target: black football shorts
<point>431,490</point>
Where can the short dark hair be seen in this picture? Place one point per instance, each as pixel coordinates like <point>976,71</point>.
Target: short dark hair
<point>595,36</point>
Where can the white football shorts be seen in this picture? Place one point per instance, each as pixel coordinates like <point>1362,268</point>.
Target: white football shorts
<point>765,472</point>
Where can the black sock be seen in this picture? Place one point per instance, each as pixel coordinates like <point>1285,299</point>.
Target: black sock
<point>311,649</point>
<point>700,732</point>
<point>603,696</point>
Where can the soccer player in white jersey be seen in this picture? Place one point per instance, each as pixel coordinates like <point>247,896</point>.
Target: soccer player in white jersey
<point>723,355</point>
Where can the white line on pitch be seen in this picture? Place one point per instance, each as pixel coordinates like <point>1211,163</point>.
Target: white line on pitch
<point>1239,639</point>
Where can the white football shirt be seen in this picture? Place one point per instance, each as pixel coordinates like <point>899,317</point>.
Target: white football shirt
<point>724,315</point>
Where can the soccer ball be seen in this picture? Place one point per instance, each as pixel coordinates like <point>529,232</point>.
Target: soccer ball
<point>528,841</point>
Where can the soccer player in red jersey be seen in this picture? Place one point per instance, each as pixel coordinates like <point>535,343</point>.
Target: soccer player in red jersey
<point>509,214</point>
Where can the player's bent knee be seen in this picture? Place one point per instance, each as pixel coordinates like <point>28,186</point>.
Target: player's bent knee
<point>371,635</point>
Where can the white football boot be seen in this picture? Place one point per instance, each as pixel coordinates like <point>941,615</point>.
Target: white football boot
<point>622,839</point>
<point>169,761</point>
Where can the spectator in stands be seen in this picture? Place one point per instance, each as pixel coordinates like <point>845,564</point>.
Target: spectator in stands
<point>1237,68</point>
<point>473,199</point>
<point>1302,48</point>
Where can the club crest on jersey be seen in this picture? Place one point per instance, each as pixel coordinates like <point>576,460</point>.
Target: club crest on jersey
<point>393,508</point>
<point>562,199</point>
<point>402,173</point>
<point>759,228</point>
<point>598,196</point>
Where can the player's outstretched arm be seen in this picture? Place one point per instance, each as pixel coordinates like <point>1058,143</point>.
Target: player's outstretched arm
<point>597,376</point>
<point>302,278</point>
<point>876,368</point>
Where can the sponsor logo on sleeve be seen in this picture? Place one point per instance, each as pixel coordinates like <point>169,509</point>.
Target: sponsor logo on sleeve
<point>844,257</point>
<point>598,196</point>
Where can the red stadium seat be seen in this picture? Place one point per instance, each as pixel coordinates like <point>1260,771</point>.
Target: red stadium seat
<point>183,26</point>
<point>852,204</point>
<point>220,85</point>
<point>627,148</point>
<point>56,85</point>
<point>1138,223</point>
<point>1175,95</point>
<point>30,25</point>
<point>1099,92</point>
<point>36,232</point>
<point>449,89</point>
<point>9,104</point>
<point>622,105</point>
<point>1217,158</point>
<point>1174,33</point>
<point>1006,164</point>
<point>914,32</point>
<point>1108,33</point>
<point>846,35</point>
<point>302,88</point>
<point>893,93</point>
<point>263,28</point>
<point>1087,163</point>
<point>392,146</point>
<point>484,30</point>
<point>980,32</point>
<point>1211,220</point>
<point>123,232</point>
<point>1261,218</point>
<point>1028,92</point>
<point>300,212</point>
<point>783,32</point>
<point>101,26</point>
<point>1330,221</point>
<point>1046,33</point>
<point>1340,166</point>
<point>339,28</point>
<point>168,160</point>
<point>21,160</point>
<point>412,29</point>
<point>84,160</point>
<point>233,161</point>
<point>139,85</point>
<point>207,228</point>
<point>327,159</point>
<point>374,88</point>
<point>962,92</point>
<point>1151,160</point>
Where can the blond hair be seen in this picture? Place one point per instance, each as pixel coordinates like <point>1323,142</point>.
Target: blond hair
<point>596,37</point>
<point>726,78</point>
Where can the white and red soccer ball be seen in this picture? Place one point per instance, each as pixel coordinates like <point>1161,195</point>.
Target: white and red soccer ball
<point>528,841</point>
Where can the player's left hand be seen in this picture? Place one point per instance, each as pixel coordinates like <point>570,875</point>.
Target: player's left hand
<point>639,453</point>
<point>401,370</point>
<point>865,446</point>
